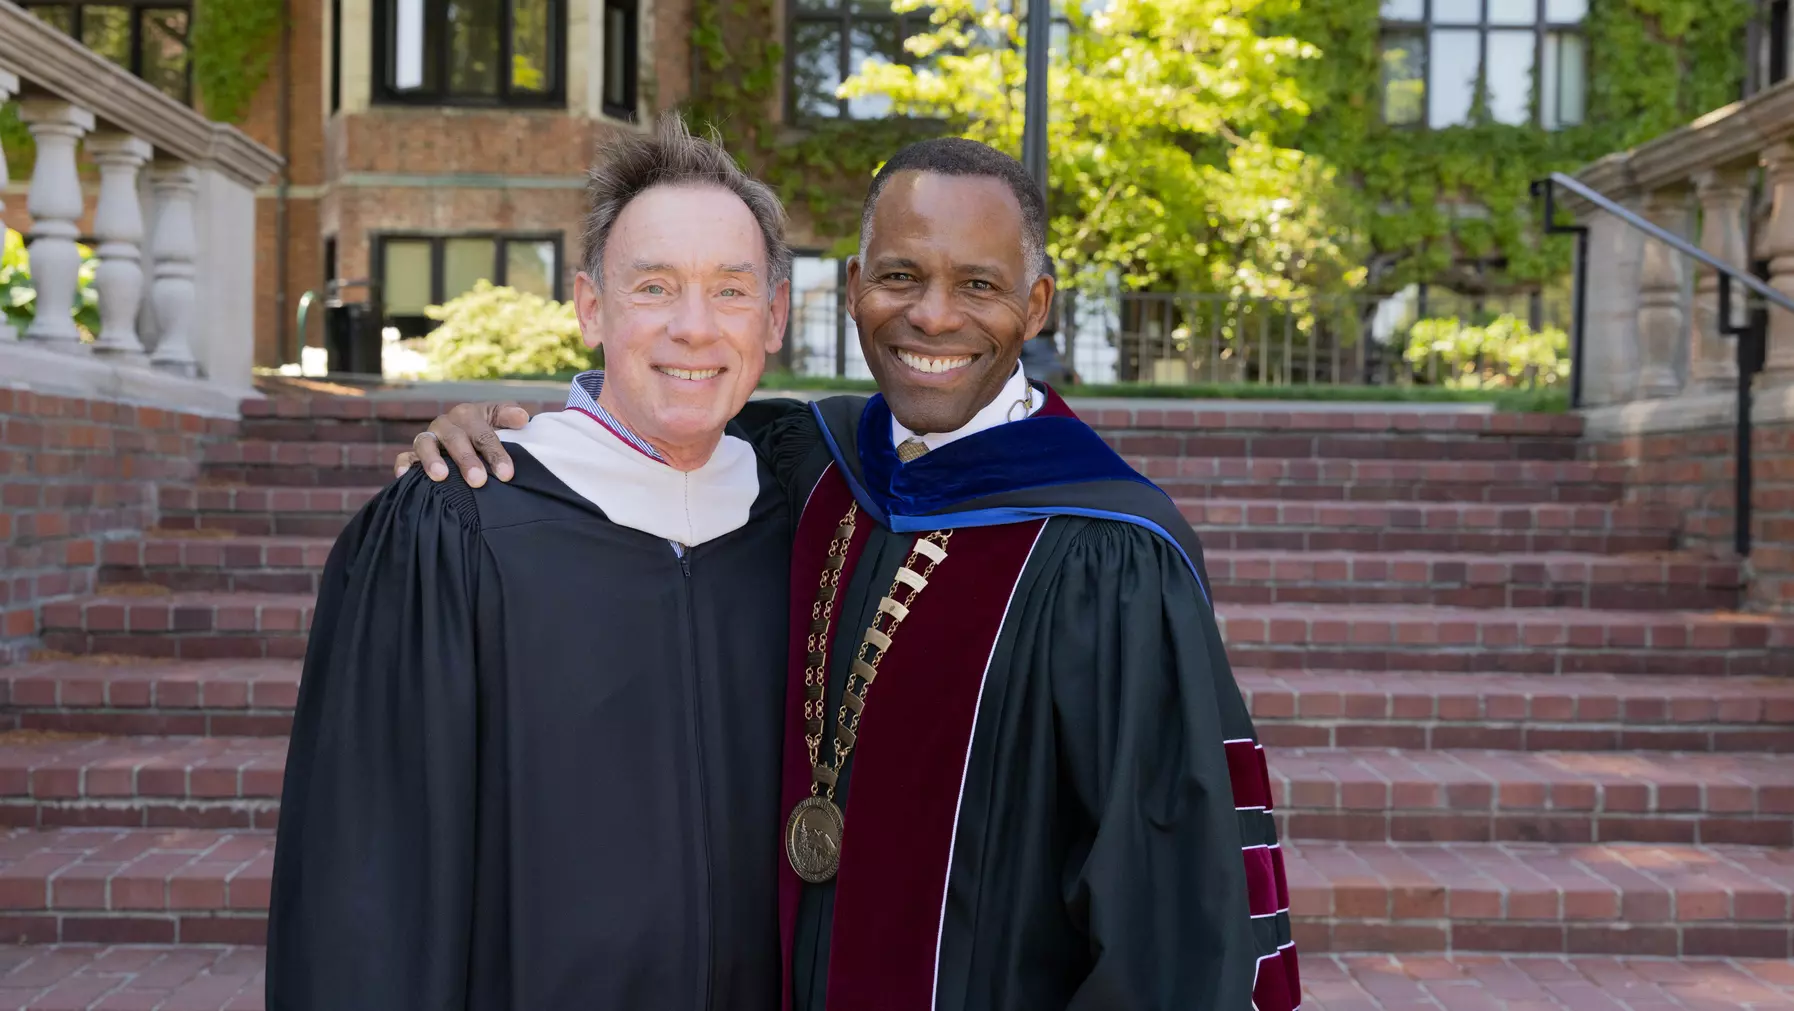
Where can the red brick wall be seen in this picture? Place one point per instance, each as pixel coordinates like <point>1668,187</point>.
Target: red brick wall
<point>74,472</point>
<point>1694,472</point>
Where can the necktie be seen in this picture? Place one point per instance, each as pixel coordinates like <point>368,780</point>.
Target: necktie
<point>911,448</point>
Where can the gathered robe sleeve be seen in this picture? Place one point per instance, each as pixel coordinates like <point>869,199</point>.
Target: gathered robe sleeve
<point>373,891</point>
<point>1166,866</point>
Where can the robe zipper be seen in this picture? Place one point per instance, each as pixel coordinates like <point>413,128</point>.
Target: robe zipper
<point>706,925</point>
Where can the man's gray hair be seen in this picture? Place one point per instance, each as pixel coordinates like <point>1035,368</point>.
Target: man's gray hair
<point>672,156</point>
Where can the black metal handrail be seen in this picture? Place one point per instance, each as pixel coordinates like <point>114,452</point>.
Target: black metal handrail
<point>1752,334</point>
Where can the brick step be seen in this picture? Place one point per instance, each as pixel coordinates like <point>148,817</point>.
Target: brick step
<point>194,560</point>
<point>1335,445</point>
<point>1542,983</point>
<point>1519,712</point>
<point>104,977</point>
<point>91,977</point>
<point>302,464</point>
<point>281,512</point>
<point>1383,794</point>
<point>1510,640</point>
<point>136,695</point>
<point>1537,898</point>
<point>134,886</point>
<point>388,420</point>
<point>204,886</point>
<point>190,626</point>
<point>1664,580</point>
<point>1247,525</point>
<point>50,779</point>
<point>1497,481</point>
<point>220,560</point>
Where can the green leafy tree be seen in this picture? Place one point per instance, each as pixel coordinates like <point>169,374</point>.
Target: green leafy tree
<point>1165,163</point>
<point>492,332</point>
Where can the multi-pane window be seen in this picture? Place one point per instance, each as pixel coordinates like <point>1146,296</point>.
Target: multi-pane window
<point>476,52</point>
<point>1768,41</point>
<point>830,40</point>
<point>416,271</point>
<point>146,37</point>
<point>1526,59</point>
<point>622,44</point>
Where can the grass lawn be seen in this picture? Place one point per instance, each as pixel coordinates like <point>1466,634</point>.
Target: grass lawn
<point>1548,401</point>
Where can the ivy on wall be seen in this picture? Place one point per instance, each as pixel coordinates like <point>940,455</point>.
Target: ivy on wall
<point>233,42</point>
<point>820,171</point>
<point>1423,199</point>
<point>1427,198</point>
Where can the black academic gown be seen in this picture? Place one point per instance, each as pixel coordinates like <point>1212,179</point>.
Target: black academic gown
<point>1057,800</point>
<point>535,761</point>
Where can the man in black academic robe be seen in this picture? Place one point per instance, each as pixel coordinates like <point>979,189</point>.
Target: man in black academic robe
<point>1019,774</point>
<point>535,760</point>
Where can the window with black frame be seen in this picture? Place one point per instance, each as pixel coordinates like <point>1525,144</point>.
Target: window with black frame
<point>470,52</point>
<point>146,37</point>
<point>622,45</point>
<point>417,271</point>
<point>1527,60</point>
<point>828,42</point>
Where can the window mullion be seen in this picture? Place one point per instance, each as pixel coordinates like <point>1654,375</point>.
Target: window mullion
<point>845,51</point>
<point>507,11</point>
<point>436,13</point>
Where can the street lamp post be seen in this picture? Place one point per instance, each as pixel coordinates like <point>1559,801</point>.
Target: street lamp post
<point>1034,125</point>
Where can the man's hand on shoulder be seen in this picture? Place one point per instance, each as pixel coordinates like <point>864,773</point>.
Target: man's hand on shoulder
<point>468,434</point>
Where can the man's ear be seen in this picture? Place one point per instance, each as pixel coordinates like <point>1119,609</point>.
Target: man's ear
<point>1040,302</point>
<point>781,312</point>
<point>853,287</point>
<point>585,306</point>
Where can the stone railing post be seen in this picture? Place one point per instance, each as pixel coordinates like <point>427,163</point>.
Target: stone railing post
<point>175,243</point>
<point>1661,322</point>
<point>118,224</point>
<point>1778,249</point>
<point>9,86</point>
<point>56,207</point>
<point>1713,360</point>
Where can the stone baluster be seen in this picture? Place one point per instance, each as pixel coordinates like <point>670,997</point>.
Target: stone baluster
<point>1661,323</point>
<point>176,244</point>
<point>118,224</point>
<point>1778,249</point>
<point>1713,361</point>
<point>9,86</point>
<point>56,207</point>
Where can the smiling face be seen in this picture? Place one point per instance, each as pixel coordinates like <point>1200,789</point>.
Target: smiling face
<point>944,296</point>
<point>686,317</point>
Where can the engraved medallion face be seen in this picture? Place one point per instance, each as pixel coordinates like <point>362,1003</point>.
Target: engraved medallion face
<point>813,839</point>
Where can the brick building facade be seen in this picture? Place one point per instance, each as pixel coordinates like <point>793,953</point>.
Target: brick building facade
<point>416,157</point>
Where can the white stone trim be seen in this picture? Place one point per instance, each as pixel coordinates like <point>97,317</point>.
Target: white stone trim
<point>23,366</point>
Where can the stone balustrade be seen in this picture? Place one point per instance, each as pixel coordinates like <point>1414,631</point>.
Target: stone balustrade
<point>172,229</point>
<point>1726,182</point>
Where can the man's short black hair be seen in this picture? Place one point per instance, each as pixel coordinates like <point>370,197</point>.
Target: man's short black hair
<point>956,156</point>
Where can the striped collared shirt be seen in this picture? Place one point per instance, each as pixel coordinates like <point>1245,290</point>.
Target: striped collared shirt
<point>583,397</point>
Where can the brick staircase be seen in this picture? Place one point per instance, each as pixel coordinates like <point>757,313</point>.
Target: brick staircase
<point>1522,751</point>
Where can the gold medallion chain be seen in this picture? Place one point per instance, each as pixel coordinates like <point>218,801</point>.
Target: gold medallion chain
<point>822,612</point>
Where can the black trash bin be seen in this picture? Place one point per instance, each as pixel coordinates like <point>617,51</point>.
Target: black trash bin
<point>352,330</point>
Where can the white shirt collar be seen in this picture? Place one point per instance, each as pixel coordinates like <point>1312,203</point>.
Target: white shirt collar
<point>636,491</point>
<point>995,413</point>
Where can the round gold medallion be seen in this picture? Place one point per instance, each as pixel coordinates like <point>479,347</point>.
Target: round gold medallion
<point>813,839</point>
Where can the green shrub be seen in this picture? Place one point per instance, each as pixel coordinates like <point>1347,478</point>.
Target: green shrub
<point>494,333</point>
<point>1505,353</point>
<point>18,299</point>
